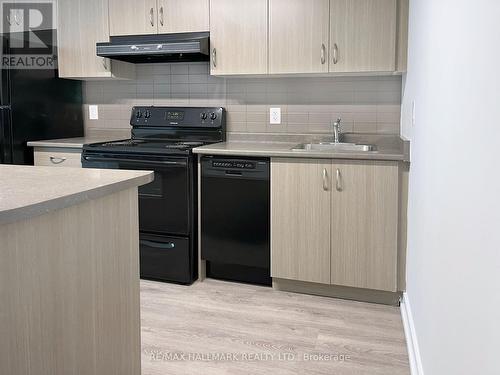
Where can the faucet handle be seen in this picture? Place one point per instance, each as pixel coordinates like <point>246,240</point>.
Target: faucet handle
<point>337,124</point>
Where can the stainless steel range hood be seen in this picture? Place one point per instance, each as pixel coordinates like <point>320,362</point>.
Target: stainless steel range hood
<point>139,49</point>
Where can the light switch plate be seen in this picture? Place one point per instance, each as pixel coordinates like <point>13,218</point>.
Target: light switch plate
<point>275,116</point>
<point>93,112</point>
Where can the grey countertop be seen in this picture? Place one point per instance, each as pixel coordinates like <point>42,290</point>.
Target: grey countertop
<point>27,191</point>
<point>389,147</point>
<point>80,141</point>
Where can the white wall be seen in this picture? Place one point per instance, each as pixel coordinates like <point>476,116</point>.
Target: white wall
<point>453,267</point>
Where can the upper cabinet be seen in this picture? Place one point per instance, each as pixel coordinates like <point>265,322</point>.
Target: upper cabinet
<point>139,17</point>
<point>83,23</point>
<point>363,35</point>
<point>238,37</point>
<point>298,36</point>
<point>181,16</point>
<point>133,17</point>
<point>255,37</point>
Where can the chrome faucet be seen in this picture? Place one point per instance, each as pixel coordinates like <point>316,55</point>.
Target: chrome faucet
<point>337,131</point>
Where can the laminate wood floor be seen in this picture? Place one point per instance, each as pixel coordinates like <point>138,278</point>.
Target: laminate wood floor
<point>221,328</point>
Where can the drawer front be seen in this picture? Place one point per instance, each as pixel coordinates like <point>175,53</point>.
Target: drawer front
<point>166,258</point>
<point>56,158</point>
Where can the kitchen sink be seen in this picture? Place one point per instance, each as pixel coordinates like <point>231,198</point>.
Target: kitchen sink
<point>342,147</point>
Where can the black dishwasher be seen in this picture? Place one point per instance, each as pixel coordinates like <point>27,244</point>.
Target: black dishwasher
<point>235,218</point>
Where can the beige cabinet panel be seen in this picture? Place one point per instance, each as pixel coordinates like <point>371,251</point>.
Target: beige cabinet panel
<point>180,16</point>
<point>402,36</point>
<point>298,36</point>
<point>238,37</point>
<point>364,231</point>
<point>300,219</point>
<point>47,157</point>
<point>83,23</point>
<point>363,35</point>
<point>133,17</point>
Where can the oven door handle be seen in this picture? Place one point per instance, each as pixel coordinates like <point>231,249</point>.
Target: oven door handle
<point>135,161</point>
<point>157,245</point>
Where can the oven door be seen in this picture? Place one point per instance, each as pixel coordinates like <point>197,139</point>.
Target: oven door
<point>164,203</point>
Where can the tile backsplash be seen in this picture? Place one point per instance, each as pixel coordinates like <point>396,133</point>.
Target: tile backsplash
<point>308,104</point>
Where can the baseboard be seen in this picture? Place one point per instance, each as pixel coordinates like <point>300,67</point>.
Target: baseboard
<point>411,337</point>
<point>336,291</point>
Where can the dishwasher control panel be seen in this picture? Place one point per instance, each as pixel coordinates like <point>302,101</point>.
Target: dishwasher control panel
<point>235,167</point>
<point>230,164</point>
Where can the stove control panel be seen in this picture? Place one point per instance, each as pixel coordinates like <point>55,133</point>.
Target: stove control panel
<point>182,117</point>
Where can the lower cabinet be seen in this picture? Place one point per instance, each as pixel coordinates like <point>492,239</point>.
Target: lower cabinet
<point>300,219</point>
<point>364,226</point>
<point>335,222</point>
<point>55,157</point>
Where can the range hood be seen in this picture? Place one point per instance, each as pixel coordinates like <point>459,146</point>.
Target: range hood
<point>140,49</point>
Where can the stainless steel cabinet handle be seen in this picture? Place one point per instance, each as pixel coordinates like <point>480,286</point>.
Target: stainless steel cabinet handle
<point>214,58</point>
<point>323,54</point>
<point>325,179</point>
<point>9,21</point>
<point>161,15</point>
<point>335,53</point>
<point>151,15</point>
<point>105,63</point>
<point>338,184</point>
<point>56,160</point>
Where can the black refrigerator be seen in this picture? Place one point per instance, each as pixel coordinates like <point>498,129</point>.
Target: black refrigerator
<point>35,104</point>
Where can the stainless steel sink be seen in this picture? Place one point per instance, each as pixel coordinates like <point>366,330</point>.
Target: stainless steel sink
<point>327,146</point>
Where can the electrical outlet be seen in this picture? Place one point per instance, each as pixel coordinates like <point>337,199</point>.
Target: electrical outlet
<point>93,112</point>
<point>275,116</point>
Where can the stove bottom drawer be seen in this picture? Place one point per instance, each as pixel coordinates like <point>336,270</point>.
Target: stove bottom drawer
<point>166,259</point>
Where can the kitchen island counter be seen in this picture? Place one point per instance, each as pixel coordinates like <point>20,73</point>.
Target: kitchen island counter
<point>69,270</point>
<point>27,191</point>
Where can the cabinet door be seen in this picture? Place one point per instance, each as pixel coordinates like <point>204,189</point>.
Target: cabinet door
<point>362,35</point>
<point>298,36</point>
<point>238,37</point>
<point>182,16</point>
<point>300,219</point>
<point>364,224</point>
<point>133,17</point>
<point>77,50</point>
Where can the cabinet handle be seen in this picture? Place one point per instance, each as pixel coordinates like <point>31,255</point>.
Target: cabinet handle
<point>338,183</point>
<point>325,179</point>
<point>56,160</point>
<point>9,21</point>
<point>16,19</point>
<point>335,53</point>
<point>105,63</point>
<point>161,16</point>
<point>158,245</point>
<point>151,14</point>
<point>214,58</point>
<point>323,54</point>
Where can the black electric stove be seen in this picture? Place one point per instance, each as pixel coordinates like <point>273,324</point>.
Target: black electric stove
<point>162,140</point>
